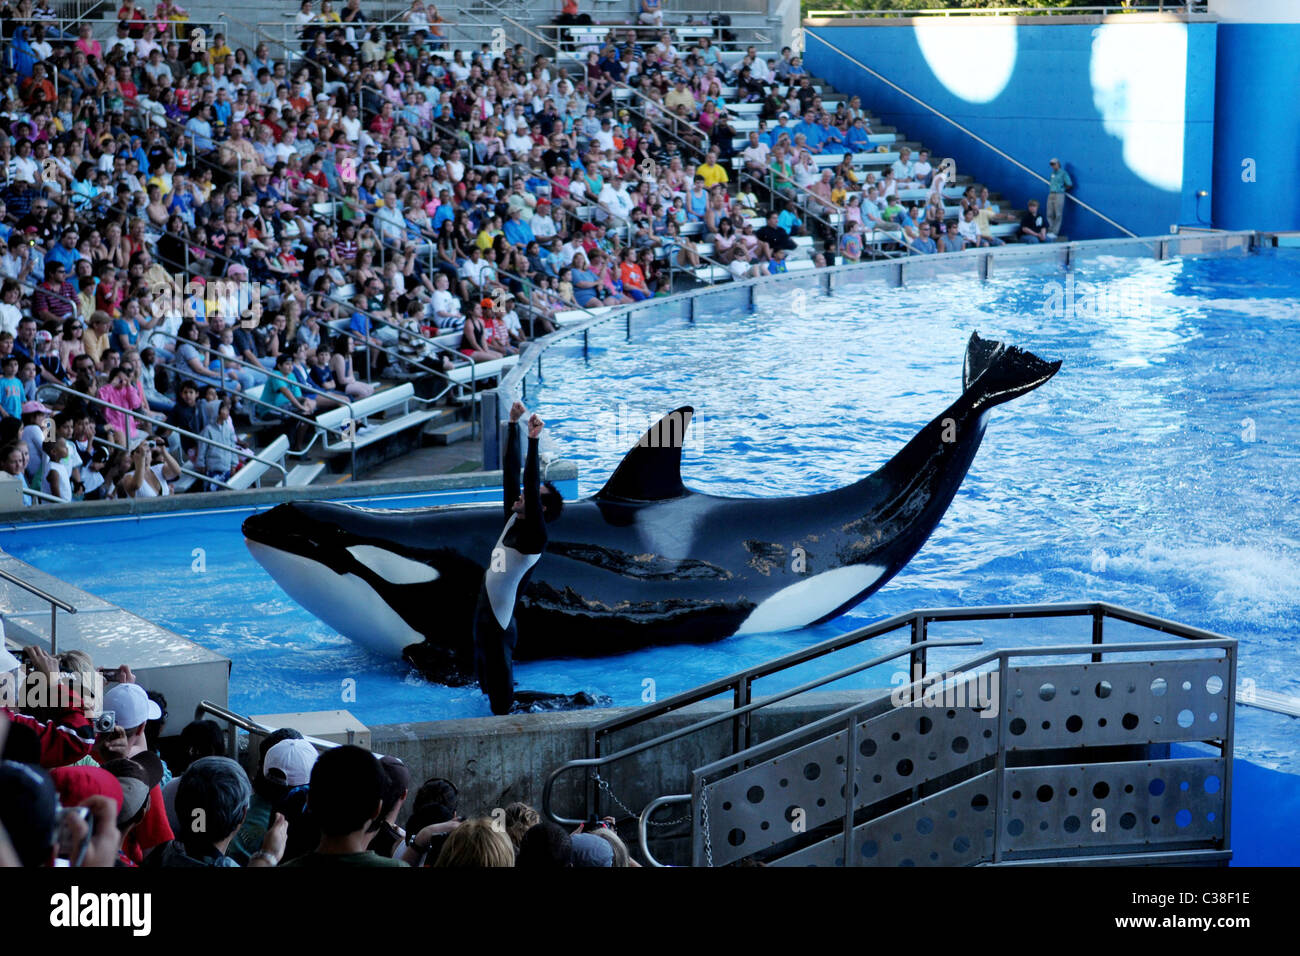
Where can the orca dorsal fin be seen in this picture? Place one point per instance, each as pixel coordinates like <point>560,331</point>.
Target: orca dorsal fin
<point>652,470</point>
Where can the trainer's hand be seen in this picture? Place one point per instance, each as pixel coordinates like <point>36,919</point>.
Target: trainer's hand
<point>517,411</point>
<point>535,426</point>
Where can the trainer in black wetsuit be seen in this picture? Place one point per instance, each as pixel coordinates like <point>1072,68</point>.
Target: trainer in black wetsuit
<point>510,565</point>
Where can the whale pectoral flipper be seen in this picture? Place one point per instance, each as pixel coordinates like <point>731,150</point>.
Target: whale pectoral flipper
<point>534,701</point>
<point>995,373</point>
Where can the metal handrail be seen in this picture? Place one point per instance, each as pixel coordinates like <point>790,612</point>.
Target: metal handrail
<point>740,683</point>
<point>533,354</point>
<point>185,469</point>
<point>850,717</point>
<point>56,604</point>
<point>767,747</point>
<point>337,396</point>
<point>43,495</point>
<point>239,722</point>
<point>973,135</point>
<point>808,198</point>
<point>175,428</point>
<point>1173,7</point>
<point>284,411</point>
<point>733,714</point>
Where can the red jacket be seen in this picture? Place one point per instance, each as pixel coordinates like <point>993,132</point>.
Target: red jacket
<point>150,832</point>
<point>64,740</point>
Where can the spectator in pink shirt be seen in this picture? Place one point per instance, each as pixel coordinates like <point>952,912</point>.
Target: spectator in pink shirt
<point>119,391</point>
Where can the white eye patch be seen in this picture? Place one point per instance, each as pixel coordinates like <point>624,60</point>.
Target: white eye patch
<point>393,568</point>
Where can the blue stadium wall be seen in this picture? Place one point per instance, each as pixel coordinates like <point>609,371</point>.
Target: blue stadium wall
<point>1257,127</point>
<point>1129,108</point>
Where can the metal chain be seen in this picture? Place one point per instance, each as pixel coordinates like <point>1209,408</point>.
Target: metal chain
<point>604,785</point>
<point>704,822</point>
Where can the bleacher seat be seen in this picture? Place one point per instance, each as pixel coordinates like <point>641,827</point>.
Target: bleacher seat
<point>355,421</point>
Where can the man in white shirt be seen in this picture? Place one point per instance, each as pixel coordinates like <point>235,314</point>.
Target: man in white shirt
<point>351,124</point>
<point>389,221</point>
<point>445,306</point>
<point>604,137</point>
<point>904,168</point>
<point>542,224</point>
<point>615,200</point>
<point>156,68</point>
<point>922,169</point>
<point>756,154</point>
<point>122,41</point>
<point>518,143</point>
<point>475,269</point>
<point>568,251</point>
<point>515,119</point>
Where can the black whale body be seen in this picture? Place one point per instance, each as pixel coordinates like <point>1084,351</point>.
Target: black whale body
<point>646,561</point>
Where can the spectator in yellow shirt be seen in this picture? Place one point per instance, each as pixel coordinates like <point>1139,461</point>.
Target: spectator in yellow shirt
<point>713,174</point>
<point>95,339</point>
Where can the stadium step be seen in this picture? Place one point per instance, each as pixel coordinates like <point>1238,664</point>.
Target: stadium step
<point>450,433</point>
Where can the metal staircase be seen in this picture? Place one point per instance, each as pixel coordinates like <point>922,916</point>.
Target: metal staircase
<point>1030,755</point>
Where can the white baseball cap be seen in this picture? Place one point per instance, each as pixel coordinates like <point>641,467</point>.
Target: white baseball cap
<point>131,705</point>
<point>293,758</point>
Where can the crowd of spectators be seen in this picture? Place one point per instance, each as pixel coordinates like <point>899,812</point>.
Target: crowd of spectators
<point>83,794</point>
<point>217,240</point>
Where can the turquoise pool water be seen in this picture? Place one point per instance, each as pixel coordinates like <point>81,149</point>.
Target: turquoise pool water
<point>1158,470</point>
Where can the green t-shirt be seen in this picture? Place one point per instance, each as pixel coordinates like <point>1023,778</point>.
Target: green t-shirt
<point>344,859</point>
<point>250,836</point>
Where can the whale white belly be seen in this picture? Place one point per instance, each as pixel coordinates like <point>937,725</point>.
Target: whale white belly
<point>343,601</point>
<point>810,599</point>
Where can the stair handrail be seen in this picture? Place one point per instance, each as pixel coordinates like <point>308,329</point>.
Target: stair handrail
<point>740,682</point>
<point>973,135</point>
<point>733,714</point>
<point>242,453</point>
<point>849,718</point>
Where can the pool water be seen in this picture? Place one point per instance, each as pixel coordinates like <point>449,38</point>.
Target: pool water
<point>1158,470</point>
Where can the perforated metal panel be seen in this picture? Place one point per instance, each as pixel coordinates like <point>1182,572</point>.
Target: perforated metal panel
<point>1072,705</point>
<point>1070,810</point>
<point>1152,803</point>
<point>769,803</point>
<point>951,828</point>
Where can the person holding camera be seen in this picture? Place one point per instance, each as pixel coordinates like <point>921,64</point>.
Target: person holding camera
<point>68,735</point>
<point>152,468</point>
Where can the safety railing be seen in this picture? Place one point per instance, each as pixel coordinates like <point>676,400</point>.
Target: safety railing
<point>809,202</point>
<point>895,271</point>
<point>740,684</point>
<point>461,32</point>
<point>275,411</point>
<point>569,38</point>
<point>965,130</point>
<point>141,417</point>
<point>237,722</point>
<point>1164,6</point>
<point>56,605</point>
<point>42,495</point>
<point>739,715</point>
<point>1056,721</point>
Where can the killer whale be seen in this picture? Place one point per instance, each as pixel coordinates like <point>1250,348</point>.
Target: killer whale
<point>645,560</point>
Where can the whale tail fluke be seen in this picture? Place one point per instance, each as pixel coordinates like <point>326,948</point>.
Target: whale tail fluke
<point>995,372</point>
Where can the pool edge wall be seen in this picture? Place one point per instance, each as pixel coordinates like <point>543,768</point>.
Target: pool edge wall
<point>563,473</point>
